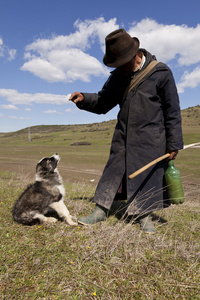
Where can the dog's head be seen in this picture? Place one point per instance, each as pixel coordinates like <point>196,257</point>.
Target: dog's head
<point>47,165</point>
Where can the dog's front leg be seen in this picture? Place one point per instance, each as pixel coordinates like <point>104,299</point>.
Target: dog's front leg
<point>44,219</point>
<point>63,212</point>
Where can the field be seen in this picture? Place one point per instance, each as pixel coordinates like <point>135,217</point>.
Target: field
<point>111,260</point>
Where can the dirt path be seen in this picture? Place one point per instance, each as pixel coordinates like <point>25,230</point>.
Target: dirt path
<point>25,171</point>
<point>191,191</point>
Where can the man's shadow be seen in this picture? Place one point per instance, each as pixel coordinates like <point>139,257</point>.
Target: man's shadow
<point>119,208</point>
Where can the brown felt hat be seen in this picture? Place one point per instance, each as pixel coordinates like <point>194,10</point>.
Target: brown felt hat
<point>120,48</point>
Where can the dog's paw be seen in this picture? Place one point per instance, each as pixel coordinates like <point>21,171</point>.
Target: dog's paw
<point>70,222</point>
<point>50,220</point>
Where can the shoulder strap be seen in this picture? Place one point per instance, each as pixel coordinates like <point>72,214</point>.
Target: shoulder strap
<point>139,77</point>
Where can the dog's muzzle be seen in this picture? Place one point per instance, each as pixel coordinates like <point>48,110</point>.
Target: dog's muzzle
<point>56,156</point>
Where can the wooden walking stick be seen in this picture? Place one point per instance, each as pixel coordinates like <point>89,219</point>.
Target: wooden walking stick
<point>156,161</point>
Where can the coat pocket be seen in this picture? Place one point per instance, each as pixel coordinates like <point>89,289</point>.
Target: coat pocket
<point>150,136</point>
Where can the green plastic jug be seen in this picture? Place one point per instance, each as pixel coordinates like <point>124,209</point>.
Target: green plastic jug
<point>174,184</point>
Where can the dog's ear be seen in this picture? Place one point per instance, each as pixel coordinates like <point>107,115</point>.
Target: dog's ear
<point>38,168</point>
<point>49,164</point>
<point>43,165</point>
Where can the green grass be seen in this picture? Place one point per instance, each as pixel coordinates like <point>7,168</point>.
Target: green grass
<point>47,140</point>
<point>111,260</point>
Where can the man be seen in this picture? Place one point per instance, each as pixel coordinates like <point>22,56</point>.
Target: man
<point>149,125</point>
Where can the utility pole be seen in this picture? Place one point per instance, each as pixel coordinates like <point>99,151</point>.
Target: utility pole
<point>29,135</point>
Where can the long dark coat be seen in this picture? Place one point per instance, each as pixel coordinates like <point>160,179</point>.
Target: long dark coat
<point>149,124</point>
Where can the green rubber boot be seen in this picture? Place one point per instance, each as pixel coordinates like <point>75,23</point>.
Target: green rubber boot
<point>118,208</point>
<point>146,224</point>
<point>96,216</point>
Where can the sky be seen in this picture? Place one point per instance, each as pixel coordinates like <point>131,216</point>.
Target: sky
<point>52,48</point>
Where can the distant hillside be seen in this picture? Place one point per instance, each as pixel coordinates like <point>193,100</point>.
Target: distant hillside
<point>48,129</point>
<point>190,117</point>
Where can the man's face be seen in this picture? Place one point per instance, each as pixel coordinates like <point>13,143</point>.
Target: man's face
<point>126,69</point>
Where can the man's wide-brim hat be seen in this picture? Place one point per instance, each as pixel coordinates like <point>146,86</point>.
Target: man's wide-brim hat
<point>120,48</point>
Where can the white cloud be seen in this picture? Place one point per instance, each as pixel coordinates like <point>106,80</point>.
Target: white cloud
<point>1,47</point>
<point>66,65</point>
<point>177,45</point>
<point>169,41</point>
<point>70,57</point>
<point>11,54</point>
<point>189,79</point>
<point>9,107</point>
<point>17,118</point>
<point>8,54</point>
<point>51,112</point>
<point>14,97</point>
<point>63,58</point>
<point>13,117</point>
<point>69,110</point>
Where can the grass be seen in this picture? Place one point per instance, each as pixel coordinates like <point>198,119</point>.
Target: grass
<point>111,260</point>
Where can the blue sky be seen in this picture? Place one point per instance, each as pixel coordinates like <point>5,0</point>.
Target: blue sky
<point>51,48</point>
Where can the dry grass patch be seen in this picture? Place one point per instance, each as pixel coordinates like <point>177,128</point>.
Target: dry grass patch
<point>110,260</point>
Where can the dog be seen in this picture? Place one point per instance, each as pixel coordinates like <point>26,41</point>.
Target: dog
<point>45,194</point>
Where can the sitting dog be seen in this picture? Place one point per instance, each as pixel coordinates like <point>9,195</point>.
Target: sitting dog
<point>45,194</point>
